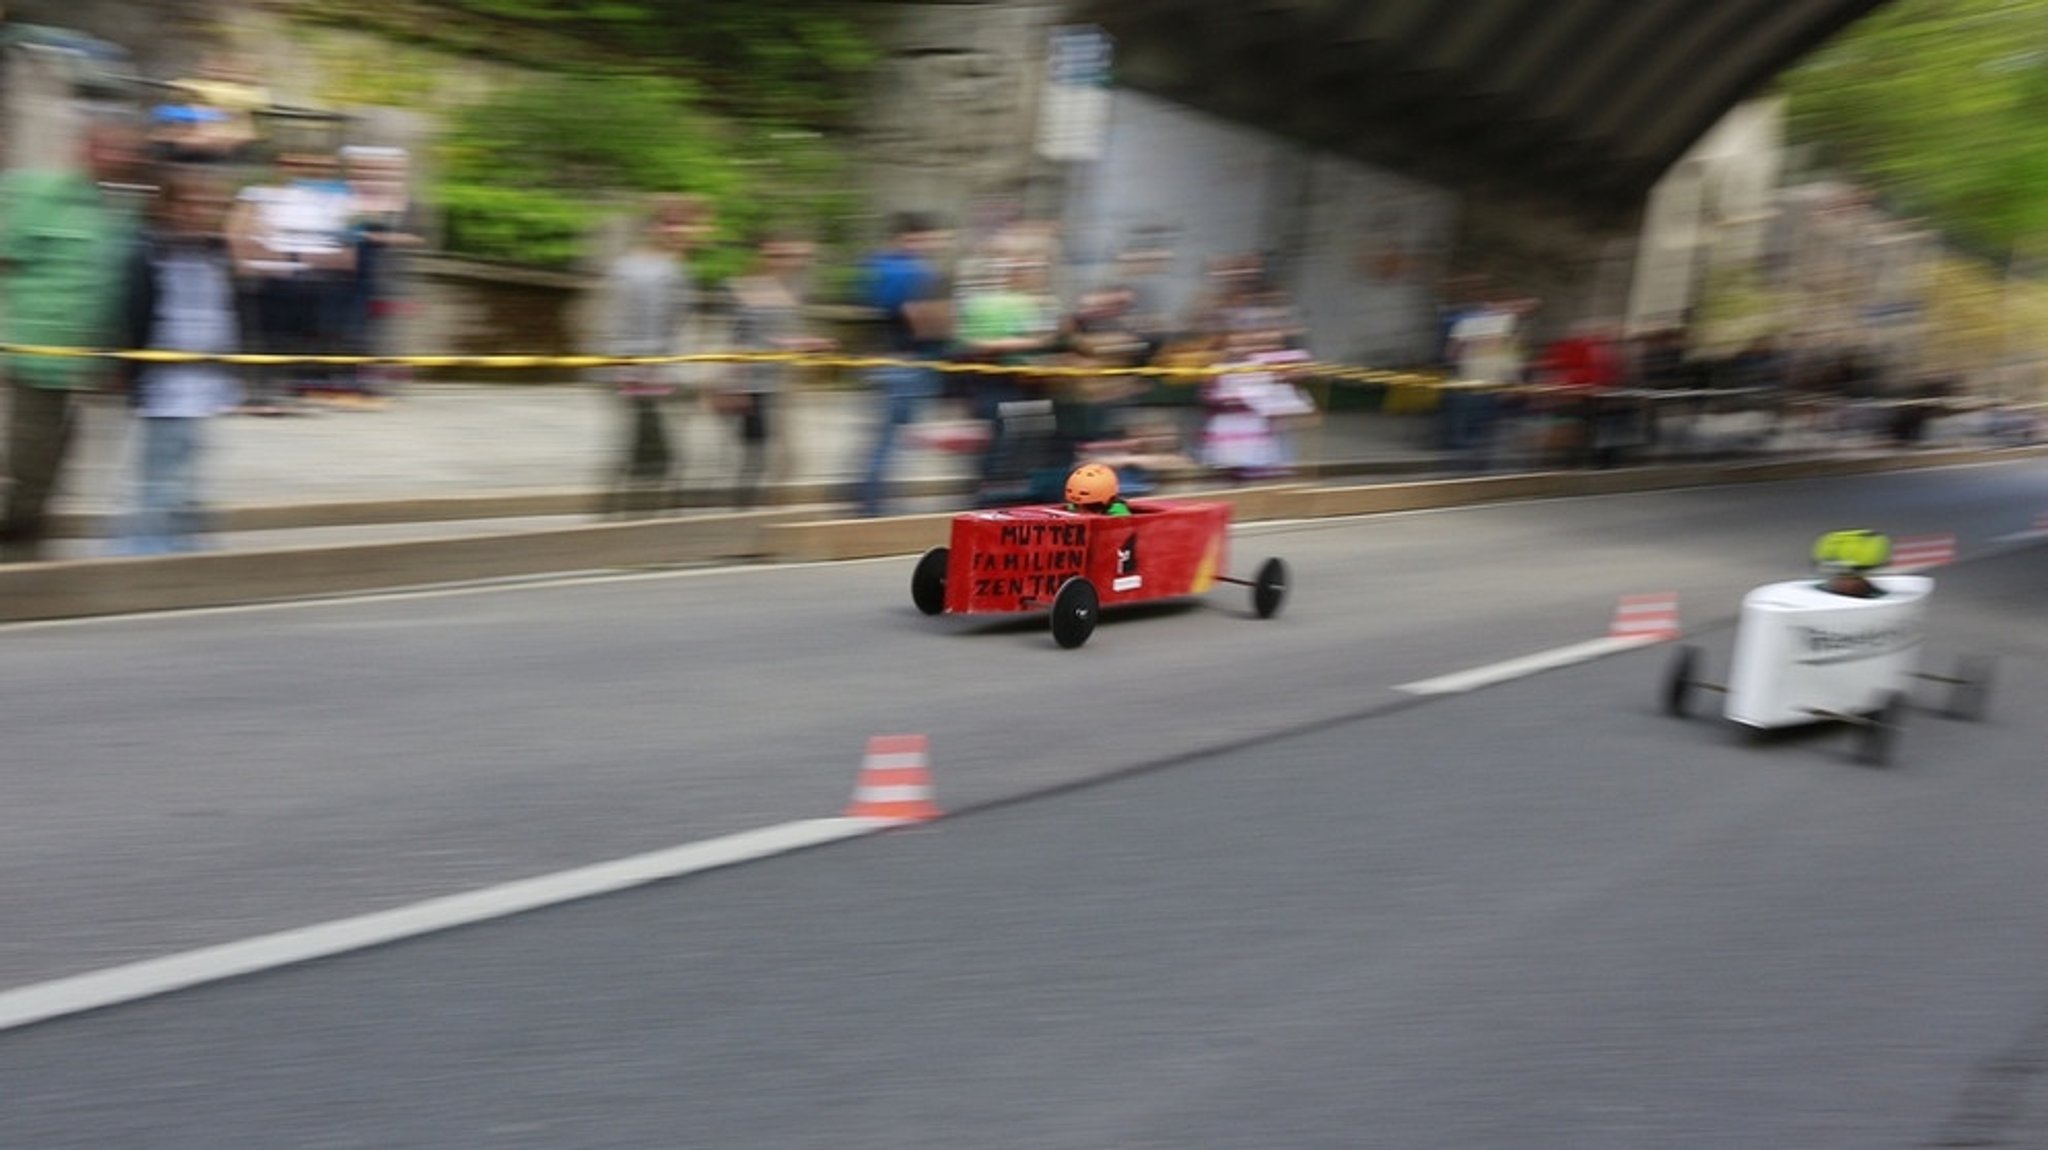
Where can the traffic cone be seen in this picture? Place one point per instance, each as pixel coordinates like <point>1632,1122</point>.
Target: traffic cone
<point>1921,552</point>
<point>895,782</point>
<point>1653,616</point>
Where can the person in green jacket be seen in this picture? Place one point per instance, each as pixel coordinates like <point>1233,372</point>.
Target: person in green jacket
<point>64,248</point>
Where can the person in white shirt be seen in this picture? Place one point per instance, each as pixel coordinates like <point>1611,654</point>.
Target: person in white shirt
<point>290,242</point>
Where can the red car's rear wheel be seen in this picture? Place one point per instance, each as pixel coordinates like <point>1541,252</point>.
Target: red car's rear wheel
<point>1073,612</point>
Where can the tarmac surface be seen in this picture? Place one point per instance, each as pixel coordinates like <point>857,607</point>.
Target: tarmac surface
<point>1218,882</point>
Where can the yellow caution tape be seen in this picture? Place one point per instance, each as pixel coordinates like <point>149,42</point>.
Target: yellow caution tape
<point>1400,382</point>
<point>801,359</point>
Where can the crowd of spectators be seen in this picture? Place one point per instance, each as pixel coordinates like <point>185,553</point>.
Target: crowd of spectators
<point>172,202</point>
<point>300,259</point>
<point>1030,424</point>
<point>1597,396</point>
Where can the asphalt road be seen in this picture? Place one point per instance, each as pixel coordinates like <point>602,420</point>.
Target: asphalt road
<point>1537,915</point>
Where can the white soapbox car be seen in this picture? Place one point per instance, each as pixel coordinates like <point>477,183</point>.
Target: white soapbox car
<point>1806,655</point>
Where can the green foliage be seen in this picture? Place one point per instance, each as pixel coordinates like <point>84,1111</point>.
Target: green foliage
<point>359,71</point>
<point>590,133</point>
<point>734,100</point>
<point>1980,320</point>
<point>534,162</point>
<point>514,225</point>
<point>787,61</point>
<point>1943,105</point>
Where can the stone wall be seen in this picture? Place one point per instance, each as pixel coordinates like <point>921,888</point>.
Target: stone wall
<point>954,109</point>
<point>165,36</point>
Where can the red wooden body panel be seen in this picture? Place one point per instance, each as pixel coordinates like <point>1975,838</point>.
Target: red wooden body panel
<point>1015,560</point>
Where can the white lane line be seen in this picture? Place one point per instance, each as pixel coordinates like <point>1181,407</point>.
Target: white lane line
<point>1486,676</point>
<point>2021,536</point>
<point>42,1001</point>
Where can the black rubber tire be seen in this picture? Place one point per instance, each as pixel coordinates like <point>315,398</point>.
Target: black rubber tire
<point>1073,612</point>
<point>1970,696</point>
<point>1877,737</point>
<point>1679,680</point>
<point>1269,590</point>
<point>928,582</point>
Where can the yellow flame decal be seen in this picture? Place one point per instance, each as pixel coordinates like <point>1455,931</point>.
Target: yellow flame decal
<point>1205,575</point>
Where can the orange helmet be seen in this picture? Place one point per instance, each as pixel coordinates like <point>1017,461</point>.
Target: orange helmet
<point>1091,485</point>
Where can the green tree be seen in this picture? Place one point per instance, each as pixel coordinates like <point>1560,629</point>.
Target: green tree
<point>529,171</point>
<point>736,100</point>
<point>797,62</point>
<point>1943,106</point>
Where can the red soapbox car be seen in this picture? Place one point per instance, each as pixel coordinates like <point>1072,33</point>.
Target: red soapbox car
<point>1075,563</point>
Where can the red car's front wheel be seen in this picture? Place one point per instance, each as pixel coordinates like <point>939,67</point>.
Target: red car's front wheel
<point>928,582</point>
<point>1269,590</point>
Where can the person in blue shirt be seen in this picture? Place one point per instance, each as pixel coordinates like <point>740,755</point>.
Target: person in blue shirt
<point>905,285</point>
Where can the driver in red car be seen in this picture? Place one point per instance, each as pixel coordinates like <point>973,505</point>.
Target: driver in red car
<point>1092,489</point>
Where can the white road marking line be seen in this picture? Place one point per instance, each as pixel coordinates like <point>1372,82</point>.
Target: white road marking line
<point>2020,537</point>
<point>42,1001</point>
<point>1486,676</point>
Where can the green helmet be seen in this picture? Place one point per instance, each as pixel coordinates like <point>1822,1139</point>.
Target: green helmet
<point>1852,551</point>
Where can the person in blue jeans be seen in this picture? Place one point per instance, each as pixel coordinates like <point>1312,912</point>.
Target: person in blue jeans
<point>180,297</point>
<point>905,285</point>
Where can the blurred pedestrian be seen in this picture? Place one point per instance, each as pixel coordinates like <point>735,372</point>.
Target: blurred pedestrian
<point>188,134</point>
<point>1091,411</point>
<point>227,96</point>
<point>294,264</point>
<point>180,297</point>
<point>64,243</point>
<point>905,285</point>
<point>384,225</point>
<point>328,198</point>
<point>1142,271</point>
<point>1661,362</point>
<point>652,296</point>
<point>768,316</point>
<point>1013,320</point>
<point>1485,347</point>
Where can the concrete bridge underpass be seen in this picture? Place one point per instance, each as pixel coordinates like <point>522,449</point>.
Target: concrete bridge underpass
<point>1577,106</point>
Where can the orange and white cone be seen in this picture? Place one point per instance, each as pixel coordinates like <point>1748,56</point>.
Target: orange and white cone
<point>1647,617</point>
<point>1922,552</point>
<point>895,782</point>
